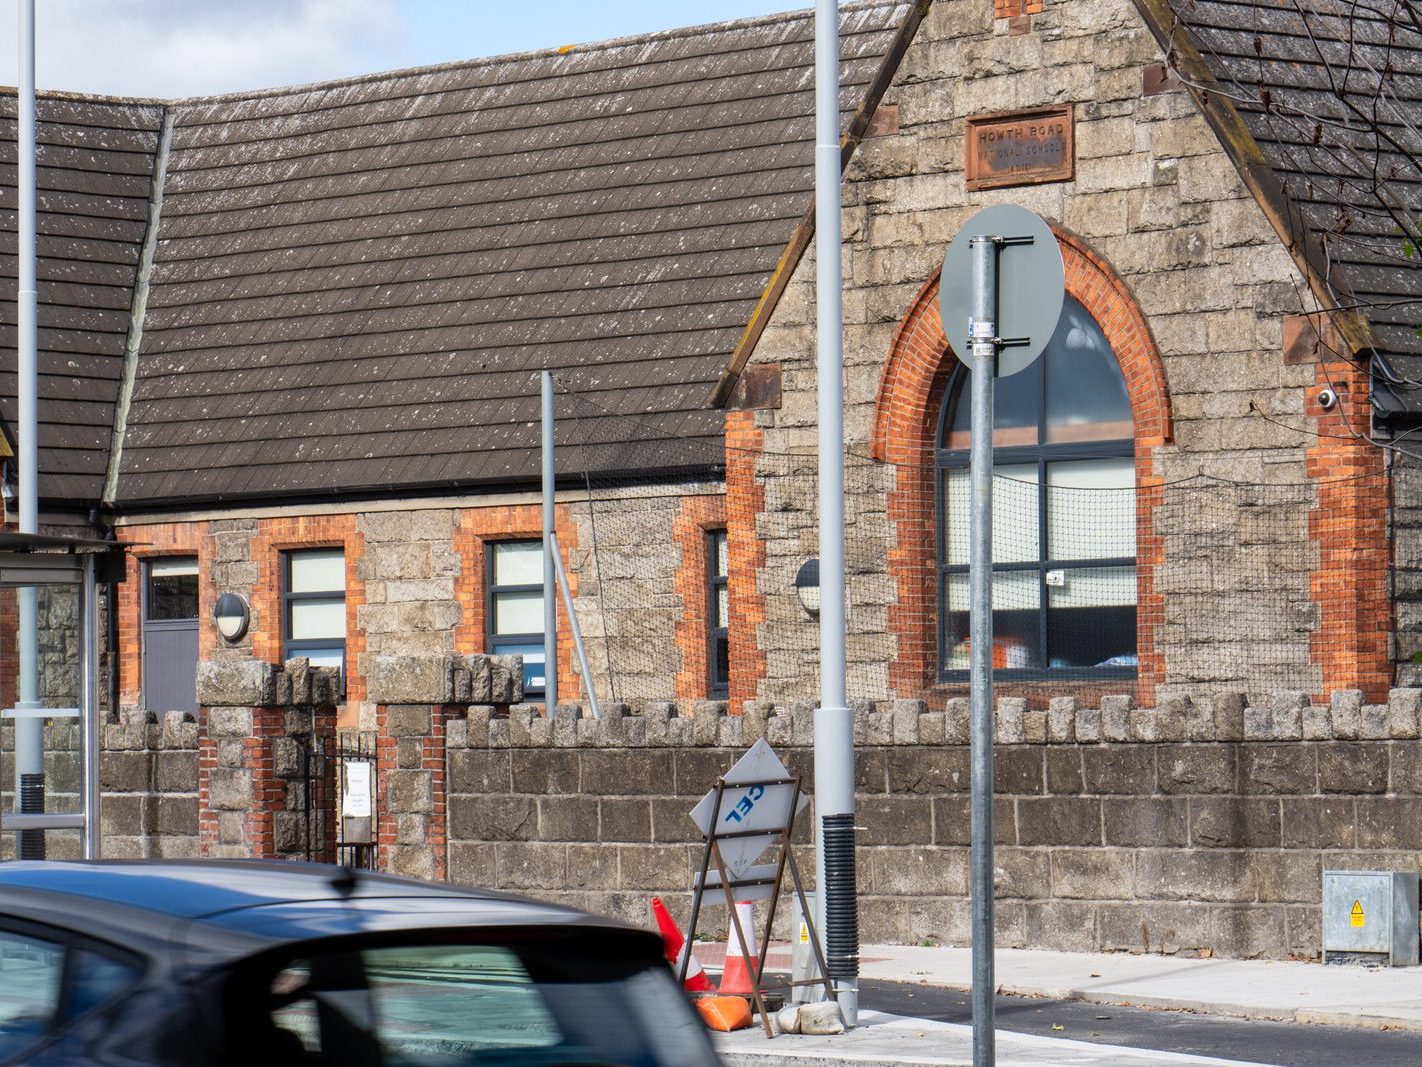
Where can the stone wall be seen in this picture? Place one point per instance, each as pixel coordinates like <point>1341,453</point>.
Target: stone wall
<point>149,783</point>
<point>148,777</point>
<point>1192,828</point>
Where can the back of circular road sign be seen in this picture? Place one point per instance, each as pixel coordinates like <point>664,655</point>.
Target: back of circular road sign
<point>1030,285</point>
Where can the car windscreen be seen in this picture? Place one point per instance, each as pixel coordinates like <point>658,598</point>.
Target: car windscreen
<point>556,997</point>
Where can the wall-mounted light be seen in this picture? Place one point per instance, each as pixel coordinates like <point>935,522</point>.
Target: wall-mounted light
<point>807,586</point>
<point>231,616</point>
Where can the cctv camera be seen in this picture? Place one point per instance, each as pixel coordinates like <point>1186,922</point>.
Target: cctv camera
<point>1327,398</point>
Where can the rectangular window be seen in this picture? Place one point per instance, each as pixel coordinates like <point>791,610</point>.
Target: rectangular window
<point>516,607</point>
<point>718,613</point>
<point>314,608</point>
<point>172,589</point>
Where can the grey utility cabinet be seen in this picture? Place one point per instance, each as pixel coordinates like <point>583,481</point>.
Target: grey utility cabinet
<point>1370,917</point>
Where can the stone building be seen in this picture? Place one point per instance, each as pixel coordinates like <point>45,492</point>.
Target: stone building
<point>291,343</point>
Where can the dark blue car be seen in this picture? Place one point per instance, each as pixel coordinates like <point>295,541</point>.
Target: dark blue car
<point>281,963</point>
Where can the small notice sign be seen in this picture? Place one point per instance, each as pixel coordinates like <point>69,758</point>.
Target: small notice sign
<point>1356,916</point>
<point>355,790</point>
<point>1021,147</point>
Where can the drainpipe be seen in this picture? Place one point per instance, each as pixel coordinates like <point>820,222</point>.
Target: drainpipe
<point>29,732</point>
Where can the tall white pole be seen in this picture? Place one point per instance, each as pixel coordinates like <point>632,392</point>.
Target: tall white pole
<point>89,726</point>
<point>837,898</point>
<point>984,367</point>
<point>29,732</point>
<point>550,589</point>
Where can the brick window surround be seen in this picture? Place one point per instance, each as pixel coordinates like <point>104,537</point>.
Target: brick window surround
<point>919,364</point>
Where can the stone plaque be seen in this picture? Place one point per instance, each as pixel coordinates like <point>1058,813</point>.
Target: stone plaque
<point>1020,148</point>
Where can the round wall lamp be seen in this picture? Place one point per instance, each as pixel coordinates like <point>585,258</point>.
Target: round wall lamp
<point>807,586</point>
<point>231,615</point>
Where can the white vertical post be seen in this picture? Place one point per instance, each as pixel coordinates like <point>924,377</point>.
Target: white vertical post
<point>29,732</point>
<point>984,367</point>
<point>836,898</point>
<point>550,590</point>
<point>89,724</point>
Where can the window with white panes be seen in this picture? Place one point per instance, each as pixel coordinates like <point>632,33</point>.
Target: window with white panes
<point>1064,514</point>
<point>516,607</point>
<point>314,606</point>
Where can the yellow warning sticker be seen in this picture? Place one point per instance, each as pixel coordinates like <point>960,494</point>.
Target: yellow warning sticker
<point>804,934</point>
<point>1356,916</point>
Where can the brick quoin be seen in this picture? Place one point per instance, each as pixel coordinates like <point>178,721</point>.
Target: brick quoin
<point>1349,585</point>
<point>911,388</point>
<point>745,502</point>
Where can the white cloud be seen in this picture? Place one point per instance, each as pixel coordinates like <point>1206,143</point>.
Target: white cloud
<point>171,48</point>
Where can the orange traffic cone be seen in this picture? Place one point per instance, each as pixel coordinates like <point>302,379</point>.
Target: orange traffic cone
<point>675,944</point>
<point>737,978</point>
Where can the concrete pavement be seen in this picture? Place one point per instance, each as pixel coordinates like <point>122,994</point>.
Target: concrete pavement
<point>1250,989</point>
<point>883,1040</point>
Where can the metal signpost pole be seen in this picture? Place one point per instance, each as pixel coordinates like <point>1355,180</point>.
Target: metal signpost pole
<point>29,732</point>
<point>89,727</point>
<point>1002,278</point>
<point>837,897</point>
<point>550,591</point>
<point>983,331</point>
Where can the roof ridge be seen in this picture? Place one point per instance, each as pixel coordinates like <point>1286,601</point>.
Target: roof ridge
<point>797,14</point>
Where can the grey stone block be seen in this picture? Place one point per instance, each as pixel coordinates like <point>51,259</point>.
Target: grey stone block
<point>1404,719</point>
<point>1288,714</point>
<point>1088,725</point>
<point>1116,718</point>
<point>1010,728</point>
<point>1061,720</point>
<point>728,731</point>
<point>906,721</point>
<point>1373,724</point>
<point>957,721</point>
<point>565,725</point>
<point>1228,709</point>
<point>1258,724</point>
<point>476,729</point>
<point>236,683</point>
<point>1316,723</point>
<point>229,722</point>
<point>1346,711</point>
<point>410,679</point>
<point>706,721</point>
<point>1145,725</point>
<point>1172,714</point>
<point>931,728</point>
<point>1034,726</point>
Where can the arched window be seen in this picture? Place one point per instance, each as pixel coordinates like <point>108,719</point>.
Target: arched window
<point>1064,514</point>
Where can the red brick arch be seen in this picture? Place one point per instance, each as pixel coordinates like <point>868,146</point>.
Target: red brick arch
<point>917,369</point>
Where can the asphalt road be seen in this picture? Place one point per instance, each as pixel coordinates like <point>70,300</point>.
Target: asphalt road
<point>1280,1044</point>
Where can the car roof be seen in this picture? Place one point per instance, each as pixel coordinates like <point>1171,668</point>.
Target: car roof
<point>197,888</point>
<point>231,907</point>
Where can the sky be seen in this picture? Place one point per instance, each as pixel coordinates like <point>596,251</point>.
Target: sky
<point>171,48</point>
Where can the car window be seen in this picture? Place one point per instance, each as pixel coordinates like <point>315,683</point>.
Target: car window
<point>95,979</point>
<point>31,970</point>
<point>446,1004</point>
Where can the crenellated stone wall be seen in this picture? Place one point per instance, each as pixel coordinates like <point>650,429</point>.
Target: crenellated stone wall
<point>1196,827</point>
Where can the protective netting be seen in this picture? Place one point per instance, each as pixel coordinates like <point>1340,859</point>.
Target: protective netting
<point>687,575</point>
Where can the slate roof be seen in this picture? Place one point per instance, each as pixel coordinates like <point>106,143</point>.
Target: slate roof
<point>94,177</point>
<point>1331,92</point>
<point>356,283</point>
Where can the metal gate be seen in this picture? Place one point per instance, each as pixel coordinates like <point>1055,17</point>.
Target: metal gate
<point>340,786</point>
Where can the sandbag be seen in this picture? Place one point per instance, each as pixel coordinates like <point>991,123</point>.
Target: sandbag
<point>724,1013</point>
<point>821,1018</point>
